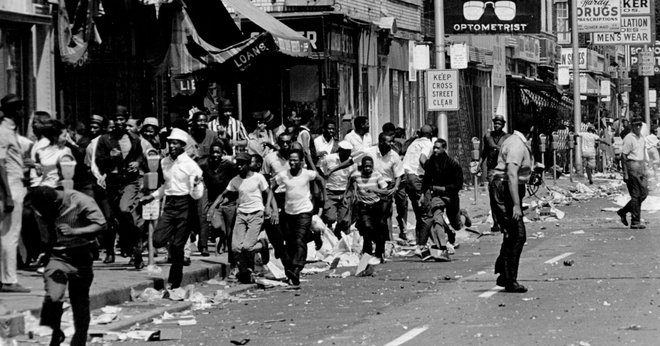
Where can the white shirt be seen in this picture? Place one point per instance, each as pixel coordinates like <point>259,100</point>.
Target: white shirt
<point>358,143</point>
<point>179,177</point>
<point>418,147</point>
<point>48,158</point>
<point>298,197</point>
<point>274,164</point>
<point>322,145</point>
<point>337,181</point>
<point>633,147</point>
<point>250,192</point>
<point>389,166</point>
<point>588,143</point>
<point>38,145</point>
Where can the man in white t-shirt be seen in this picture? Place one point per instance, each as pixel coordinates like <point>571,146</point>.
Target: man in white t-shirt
<point>418,152</point>
<point>359,138</point>
<point>335,209</point>
<point>325,144</point>
<point>589,140</point>
<point>298,208</point>
<point>253,204</point>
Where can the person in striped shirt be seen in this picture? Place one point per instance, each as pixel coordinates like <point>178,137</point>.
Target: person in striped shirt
<point>369,186</point>
<point>228,127</point>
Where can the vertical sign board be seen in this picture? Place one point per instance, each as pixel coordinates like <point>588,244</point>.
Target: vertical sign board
<point>599,15</point>
<point>646,63</point>
<point>442,90</point>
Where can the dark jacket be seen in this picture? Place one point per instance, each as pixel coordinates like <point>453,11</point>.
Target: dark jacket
<point>443,171</point>
<point>117,167</point>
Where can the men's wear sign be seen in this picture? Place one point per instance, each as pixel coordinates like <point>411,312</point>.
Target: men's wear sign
<point>442,90</point>
<point>493,17</point>
<point>599,15</point>
<point>637,25</point>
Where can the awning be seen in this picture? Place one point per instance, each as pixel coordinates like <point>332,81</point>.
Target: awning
<point>277,38</point>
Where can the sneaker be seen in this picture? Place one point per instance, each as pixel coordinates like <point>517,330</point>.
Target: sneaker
<point>637,226</point>
<point>444,256</point>
<point>450,249</point>
<point>515,288</point>
<point>14,288</point>
<point>375,261</point>
<point>622,215</point>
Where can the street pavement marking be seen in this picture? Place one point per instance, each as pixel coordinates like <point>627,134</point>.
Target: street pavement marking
<point>409,335</point>
<point>558,258</point>
<point>491,292</point>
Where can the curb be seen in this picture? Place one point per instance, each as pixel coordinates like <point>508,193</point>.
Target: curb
<point>14,324</point>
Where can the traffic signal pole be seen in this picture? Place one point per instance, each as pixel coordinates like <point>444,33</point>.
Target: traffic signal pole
<point>577,109</point>
<point>440,64</point>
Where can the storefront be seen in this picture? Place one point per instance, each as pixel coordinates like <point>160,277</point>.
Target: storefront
<point>26,60</point>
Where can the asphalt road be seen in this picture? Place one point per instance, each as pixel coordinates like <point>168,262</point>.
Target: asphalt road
<point>607,293</point>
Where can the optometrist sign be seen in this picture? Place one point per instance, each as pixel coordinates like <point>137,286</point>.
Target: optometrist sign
<point>442,90</point>
<point>493,17</point>
<point>599,15</point>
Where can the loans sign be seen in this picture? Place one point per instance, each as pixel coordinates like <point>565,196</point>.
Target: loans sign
<point>442,90</point>
<point>599,15</point>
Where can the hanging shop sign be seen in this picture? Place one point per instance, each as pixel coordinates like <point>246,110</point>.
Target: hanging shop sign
<point>459,55</point>
<point>493,17</point>
<point>442,90</point>
<point>634,56</point>
<point>599,15</point>
<point>646,63</point>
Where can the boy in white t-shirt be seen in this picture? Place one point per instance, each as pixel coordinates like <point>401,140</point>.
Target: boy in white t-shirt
<point>298,208</point>
<point>253,204</point>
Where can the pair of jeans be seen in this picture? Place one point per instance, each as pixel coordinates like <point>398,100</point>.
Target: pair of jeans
<point>416,195</point>
<point>638,189</point>
<point>296,230</point>
<point>11,232</point>
<point>514,231</point>
<point>72,267</point>
<point>172,227</point>
<point>371,227</point>
<point>334,209</point>
<point>245,238</point>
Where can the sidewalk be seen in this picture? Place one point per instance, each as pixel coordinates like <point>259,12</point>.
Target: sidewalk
<point>112,285</point>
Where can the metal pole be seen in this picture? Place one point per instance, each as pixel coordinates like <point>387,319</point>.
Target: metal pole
<point>439,12</point>
<point>647,107</point>
<point>152,250</point>
<point>577,109</point>
<point>554,168</point>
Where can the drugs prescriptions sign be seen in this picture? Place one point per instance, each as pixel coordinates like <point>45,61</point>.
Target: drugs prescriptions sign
<point>442,90</point>
<point>599,15</point>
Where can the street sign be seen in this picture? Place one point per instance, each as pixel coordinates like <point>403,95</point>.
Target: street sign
<point>599,16</point>
<point>442,90</point>
<point>646,63</point>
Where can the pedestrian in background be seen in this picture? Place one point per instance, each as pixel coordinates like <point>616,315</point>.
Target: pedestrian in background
<point>490,150</point>
<point>589,140</point>
<point>514,167</point>
<point>335,208</point>
<point>72,220</point>
<point>633,152</point>
<point>11,153</point>
<point>325,144</point>
<point>182,182</point>
<point>218,171</point>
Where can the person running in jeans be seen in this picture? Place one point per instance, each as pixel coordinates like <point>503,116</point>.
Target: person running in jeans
<point>298,208</point>
<point>72,219</point>
<point>369,186</point>
<point>252,190</point>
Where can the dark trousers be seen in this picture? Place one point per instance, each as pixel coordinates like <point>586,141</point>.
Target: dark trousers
<point>514,231</point>
<point>106,239</point>
<point>296,233</point>
<point>172,227</point>
<point>637,188</point>
<point>401,203</point>
<point>493,203</point>
<point>124,200</point>
<point>414,191</point>
<point>371,227</point>
<point>72,267</point>
<point>198,223</point>
<point>276,233</point>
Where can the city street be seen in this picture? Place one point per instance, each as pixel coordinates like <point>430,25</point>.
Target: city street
<point>591,281</point>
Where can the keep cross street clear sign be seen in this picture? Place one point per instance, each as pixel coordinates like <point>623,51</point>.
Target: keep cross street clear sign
<point>442,90</point>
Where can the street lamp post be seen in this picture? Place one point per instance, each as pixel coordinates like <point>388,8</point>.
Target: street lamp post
<point>439,12</point>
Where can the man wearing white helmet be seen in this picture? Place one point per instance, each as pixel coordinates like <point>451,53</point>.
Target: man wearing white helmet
<point>334,209</point>
<point>183,182</point>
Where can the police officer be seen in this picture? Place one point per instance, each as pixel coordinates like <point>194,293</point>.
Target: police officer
<point>489,152</point>
<point>511,173</point>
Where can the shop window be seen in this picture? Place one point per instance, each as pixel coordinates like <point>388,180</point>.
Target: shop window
<point>12,56</point>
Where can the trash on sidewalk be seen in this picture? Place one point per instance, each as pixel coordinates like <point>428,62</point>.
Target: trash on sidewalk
<point>150,294</point>
<point>364,263</point>
<point>217,282</point>
<point>651,203</point>
<point>266,283</point>
<point>334,275</point>
<point>184,318</point>
<point>569,263</point>
<point>276,268</point>
<point>153,270</point>
<point>144,335</point>
<point>316,267</point>
<point>578,232</point>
